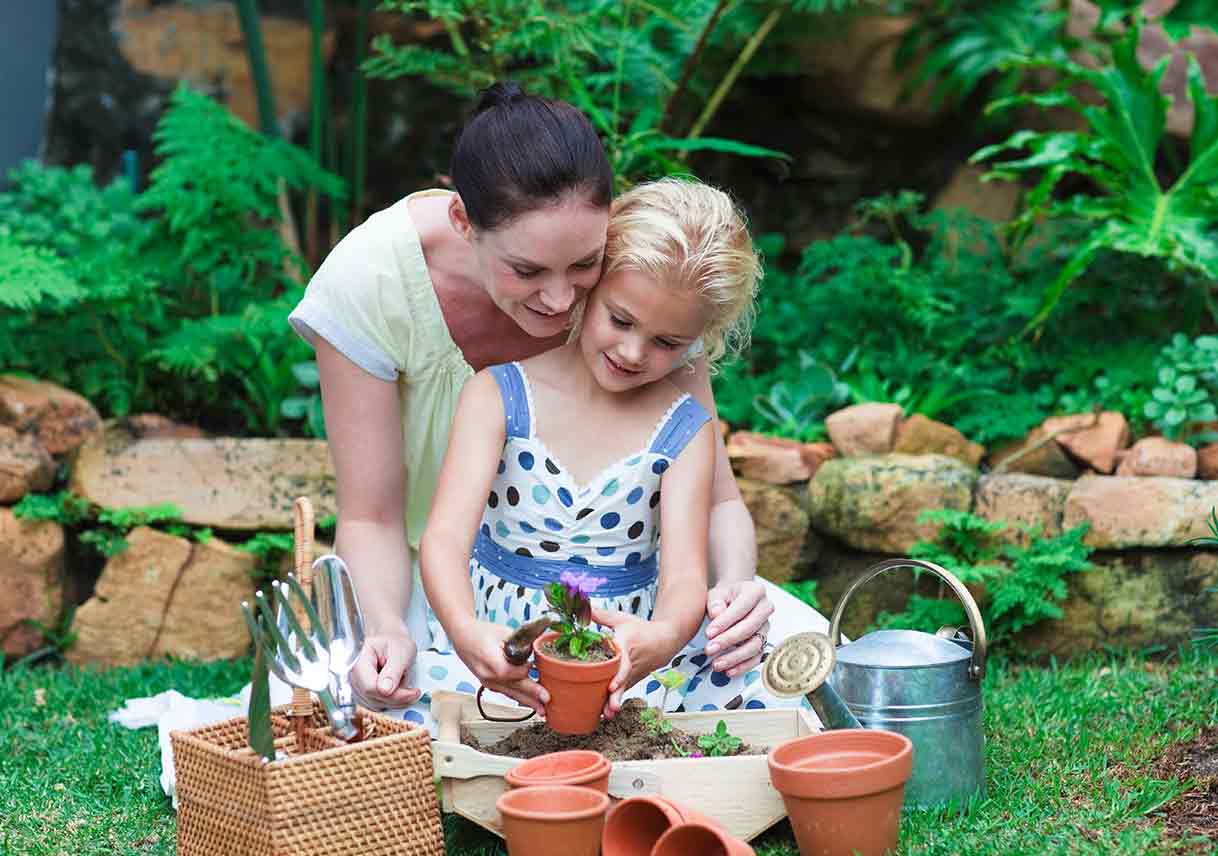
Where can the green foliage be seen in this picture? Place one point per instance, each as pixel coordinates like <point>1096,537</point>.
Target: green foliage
<point>570,599</point>
<point>720,742</point>
<point>270,548</point>
<point>956,47</point>
<point>804,591</point>
<point>1186,388</point>
<point>1127,207</point>
<point>1024,583</point>
<point>119,296</point>
<point>307,407</point>
<point>796,408</point>
<point>653,718</point>
<point>630,66</point>
<point>105,529</point>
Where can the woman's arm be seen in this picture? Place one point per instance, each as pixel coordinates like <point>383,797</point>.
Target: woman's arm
<point>474,449</point>
<point>648,645</point>
<point>736,603</point>
<point>363,424</point>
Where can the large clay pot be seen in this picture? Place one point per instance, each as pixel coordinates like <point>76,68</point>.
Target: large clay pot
<point>578,690</point>
<point>565,819</point>
<point>702,839</point>
<point>843,790</point>
<point>572,767</point>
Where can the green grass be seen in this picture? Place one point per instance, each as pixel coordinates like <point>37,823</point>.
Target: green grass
<point>1069,751</point>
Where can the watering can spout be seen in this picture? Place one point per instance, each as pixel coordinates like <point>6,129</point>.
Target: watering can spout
<point>833,712</point>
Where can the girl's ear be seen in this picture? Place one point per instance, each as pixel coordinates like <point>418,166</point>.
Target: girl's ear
<point>458,217</point>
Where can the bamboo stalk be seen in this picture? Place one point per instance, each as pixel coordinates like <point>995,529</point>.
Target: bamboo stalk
<point>691,62</point>
<point>359,116</point>
<point>255,51</point>
<point>317,96</point>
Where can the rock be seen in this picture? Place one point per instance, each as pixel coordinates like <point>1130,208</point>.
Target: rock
<point>1158,456</point>
<point>782,530</point>
<point>776,460</point>
<point>864,429</point>
<point>1091,439</point>
<point>1036,456</point>
<point>225,482</point>
<point>203,45</point>
<point>1207,462</point>
<point>25,465</point>
<point>1020,500</point>
<point>165,595</point>
<point>873,503</point>
<point>58,417</point>
<point>151,425</point>
<point>996,201</point>
<point>1140,511</point>
<point>919,435</point>
<point>1131,600</point>
<point>31,580</point>
<point>855,72</point>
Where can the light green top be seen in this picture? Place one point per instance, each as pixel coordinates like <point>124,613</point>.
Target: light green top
<point>373,300</point>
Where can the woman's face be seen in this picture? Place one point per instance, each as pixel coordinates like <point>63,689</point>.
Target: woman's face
<point>539,265</point>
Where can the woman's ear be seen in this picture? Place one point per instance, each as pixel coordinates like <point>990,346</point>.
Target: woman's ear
<point>458,217</point>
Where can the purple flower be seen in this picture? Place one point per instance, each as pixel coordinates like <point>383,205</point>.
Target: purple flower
<point>581,584</point>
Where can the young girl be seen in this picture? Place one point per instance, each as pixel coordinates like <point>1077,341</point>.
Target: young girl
<point>572,460</point>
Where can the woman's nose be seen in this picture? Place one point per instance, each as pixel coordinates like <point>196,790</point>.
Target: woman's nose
<point>558,295</point>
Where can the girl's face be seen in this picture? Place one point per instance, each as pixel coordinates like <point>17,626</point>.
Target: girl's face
<point>538,266</point>
<point>635,330</point>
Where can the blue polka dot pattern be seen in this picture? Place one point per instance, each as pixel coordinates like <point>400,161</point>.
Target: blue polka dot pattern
<point>719,679</point>
<point>606,551</point>
<point>541,495</point>
<point>526,460</point>
<point>755,704</point>
<point>580,539</point>
<point>611,487</point>
<point>564,496</point>
<point>659,467</point>
<point>413,716</point>
<point>486,530</point>
<point>527,528</point>
<point>578,560</point>
<point>634,495</point>
<point>553,525</point>
<point>634,559</point>
<point>652,686</point>
<point>608,521</point>
<point>437,673</point>
<point>709,707</point>
<point>466,687</point>
<point>502,467</point>
<point>501,529</point>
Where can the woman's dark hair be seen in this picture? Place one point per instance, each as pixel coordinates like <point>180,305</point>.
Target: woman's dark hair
<point>521,152</point>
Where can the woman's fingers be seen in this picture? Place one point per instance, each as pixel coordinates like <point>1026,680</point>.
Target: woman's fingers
<point>730,604</point>
<point>379,672</point>
<point>745,656</point>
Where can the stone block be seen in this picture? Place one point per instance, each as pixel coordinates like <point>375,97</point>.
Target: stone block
<point>1125,512</point>
<point>1158,456</point>
<point>864,429</point>
<point>25,465</point>
<point>920,435</point>
<point>1022,500</point>
<point>58,417</point>
<point>783,534</point>
<point>31,580</point>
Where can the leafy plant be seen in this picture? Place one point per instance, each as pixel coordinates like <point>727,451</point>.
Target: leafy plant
<point>795,408</point>
<point>569,597</point>
<point>307,407</point>
<point>269,548</point>
<point>1185,388</point>
<point>720,742</point>
<point>804,591</point>
<point>105,529</point>
<point>1128,208</point>
<point>653,717</point>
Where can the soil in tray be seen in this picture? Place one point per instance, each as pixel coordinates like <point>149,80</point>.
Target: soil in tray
<point>624,738</point>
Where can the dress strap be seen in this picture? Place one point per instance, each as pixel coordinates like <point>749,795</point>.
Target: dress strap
<point>683,422</point>
<point>515,398</point>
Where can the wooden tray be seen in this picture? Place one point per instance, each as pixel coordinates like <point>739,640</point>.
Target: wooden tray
<point>735,791</point>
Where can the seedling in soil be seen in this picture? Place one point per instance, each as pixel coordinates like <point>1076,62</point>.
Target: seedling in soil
<point>721,742</point>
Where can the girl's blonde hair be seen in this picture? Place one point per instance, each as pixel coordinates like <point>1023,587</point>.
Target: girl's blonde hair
<point>683,233</point>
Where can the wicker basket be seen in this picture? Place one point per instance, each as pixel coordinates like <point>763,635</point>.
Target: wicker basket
<point>376,796</point>
<point>325,798</point>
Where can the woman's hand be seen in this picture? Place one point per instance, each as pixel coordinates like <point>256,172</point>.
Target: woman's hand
<point>740,619</point>
<point>645,645</point>
<point>479,644</point>
<point>378,676</point>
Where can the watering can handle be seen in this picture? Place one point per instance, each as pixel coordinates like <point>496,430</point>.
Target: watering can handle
<point>976,669</point>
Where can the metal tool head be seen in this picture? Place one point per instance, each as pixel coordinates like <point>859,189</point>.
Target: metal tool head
<point>338,612</point>
<point>798,665</point>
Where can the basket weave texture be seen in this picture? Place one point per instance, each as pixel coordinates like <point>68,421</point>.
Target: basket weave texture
<point>376,796</point>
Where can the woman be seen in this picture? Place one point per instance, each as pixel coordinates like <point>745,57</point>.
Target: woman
<point>412,302</point>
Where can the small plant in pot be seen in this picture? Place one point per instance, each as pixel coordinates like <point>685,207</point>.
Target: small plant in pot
<point>575,663</point>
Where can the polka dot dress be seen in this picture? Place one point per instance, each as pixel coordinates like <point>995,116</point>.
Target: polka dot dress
<point>538,521</point>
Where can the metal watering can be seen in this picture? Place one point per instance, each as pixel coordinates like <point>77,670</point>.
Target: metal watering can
<point>925,686</point>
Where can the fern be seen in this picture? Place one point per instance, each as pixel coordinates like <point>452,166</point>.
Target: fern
<point>29,276</point>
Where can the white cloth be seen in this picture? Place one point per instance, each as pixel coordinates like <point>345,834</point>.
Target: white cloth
<point>172,711</point>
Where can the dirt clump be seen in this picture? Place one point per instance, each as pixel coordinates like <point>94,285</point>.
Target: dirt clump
<point>1194,813</point>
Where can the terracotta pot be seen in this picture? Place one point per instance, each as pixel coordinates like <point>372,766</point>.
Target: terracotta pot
<point>635,824</point>
<point>564,819</point>
<point>843,789</point>
<point>702,839</point>
<point>573,767</point>
<point>578,690</point>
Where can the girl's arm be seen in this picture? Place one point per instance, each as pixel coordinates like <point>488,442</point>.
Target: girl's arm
<point>736,602</point>
<point>684,517</point>
<point>474,449</point>
<point>364,427</point>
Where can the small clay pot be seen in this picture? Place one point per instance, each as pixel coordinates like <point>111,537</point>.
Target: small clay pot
<point>702,839</point>
<point>843,790</point>
<point>578,690</point>
<point>564,819</point>
<point>572,767</point>
<point>635,824</point>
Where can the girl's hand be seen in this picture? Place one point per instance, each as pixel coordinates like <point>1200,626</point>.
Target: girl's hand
<point>645,646</point>
<point>378,676</point>
<point>739,614</point>
<point>480,646</point>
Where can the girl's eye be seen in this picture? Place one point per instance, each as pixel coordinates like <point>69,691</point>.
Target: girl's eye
<point>525,274</point>
<point>619,322</point>
<point>591,263</point>
<point>670,346</point>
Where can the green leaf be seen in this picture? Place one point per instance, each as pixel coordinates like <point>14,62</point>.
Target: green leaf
<point>713,144</point>
<point>261,738</point>
<point>1190,13</point>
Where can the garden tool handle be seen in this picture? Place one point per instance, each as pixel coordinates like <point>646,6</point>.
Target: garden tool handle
<point>302,518</point>
<point>976,669</point>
